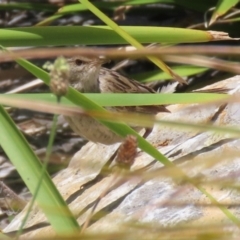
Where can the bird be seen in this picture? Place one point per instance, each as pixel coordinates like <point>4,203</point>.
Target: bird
<point>87,75</point>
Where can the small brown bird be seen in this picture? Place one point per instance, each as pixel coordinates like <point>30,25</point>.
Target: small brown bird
<point>88,76</point>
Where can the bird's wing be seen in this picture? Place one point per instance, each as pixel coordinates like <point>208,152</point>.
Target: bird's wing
<point>112,82</point>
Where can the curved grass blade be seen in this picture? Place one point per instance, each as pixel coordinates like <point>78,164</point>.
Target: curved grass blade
<point>131,40</point>
<point>29,168</point>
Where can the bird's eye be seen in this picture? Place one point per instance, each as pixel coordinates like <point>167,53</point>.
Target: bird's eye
<point>78,62</point>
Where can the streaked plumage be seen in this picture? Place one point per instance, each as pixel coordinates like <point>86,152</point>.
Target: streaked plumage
<point>88,76</point>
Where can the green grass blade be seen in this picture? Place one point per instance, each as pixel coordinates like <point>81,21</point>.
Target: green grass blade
<point>222,7</point>
<point>42,36</point>
<point>29,168</point>
<point>183,71</point>
<point>134,99</point>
